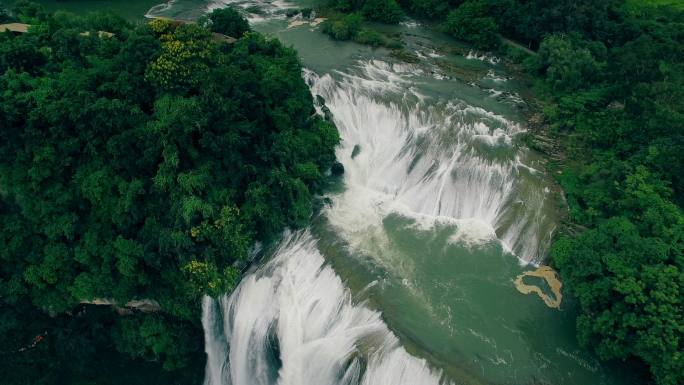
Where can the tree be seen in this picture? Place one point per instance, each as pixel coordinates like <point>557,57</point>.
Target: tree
<point>429,8</point>
<point>344,28</point>
<point>568,64</point>
<point>618,99</point>
<point>227,21</point>
<point>385,11</point>
<point>469,22</point>
<point>630,289</point>
<point>183,60</point>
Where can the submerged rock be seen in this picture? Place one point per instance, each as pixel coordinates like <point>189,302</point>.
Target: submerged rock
<point>356,151</point>
<point>337,169</point>
<point>141,305</point>
<point>255,10</point>
<point>327,113</point>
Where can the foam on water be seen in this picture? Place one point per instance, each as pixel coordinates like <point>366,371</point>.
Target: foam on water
<point>160,9</point>
<point>410,24</point>
<point>493,76</point>
<point>475,55</point>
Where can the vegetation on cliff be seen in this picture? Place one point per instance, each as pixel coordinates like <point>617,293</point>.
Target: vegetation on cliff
<point>140,165</point>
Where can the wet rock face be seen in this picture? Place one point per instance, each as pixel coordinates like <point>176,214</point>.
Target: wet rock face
<point>141,305</point>
<point>355,151</point>
<point>327,113</point>
<point>144,305</point>
<point>320,101</point>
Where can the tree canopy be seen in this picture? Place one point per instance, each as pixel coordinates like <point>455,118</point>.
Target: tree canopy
<point>143,165</point>
<point>612,84</point>
<point>226,21</point>
<point>385,11</point>
<point>470,22</point>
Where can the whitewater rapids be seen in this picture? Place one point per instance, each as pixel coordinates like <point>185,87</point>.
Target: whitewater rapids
<point>433,161</point>
<point>293,322</point>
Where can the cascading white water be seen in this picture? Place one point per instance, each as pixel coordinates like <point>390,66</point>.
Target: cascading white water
<point>431,161</point>
<point>292,322</point>
<point>268,9</point>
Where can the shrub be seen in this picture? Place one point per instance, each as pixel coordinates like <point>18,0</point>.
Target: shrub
<point>228,22</point>
<point>344,28</point>
<point>385,11</point>
<point>469,22</point>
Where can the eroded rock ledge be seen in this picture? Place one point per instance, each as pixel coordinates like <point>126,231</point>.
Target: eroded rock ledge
<point>141,305</point>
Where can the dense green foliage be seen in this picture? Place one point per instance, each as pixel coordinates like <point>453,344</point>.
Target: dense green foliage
<point>479,22</point>
<point>384,11</point>
<point>226,21</point>
<point>525,20</point>
<point>614,90</point>
<point>344,27</point>
<point>621,111</point>
<point>470,22</point>
<point>78,348</point>
<point>5,16</point>
<point>141,165</point>
<point>434,9</point>
<point>352,27</point>
<point>348,20</point>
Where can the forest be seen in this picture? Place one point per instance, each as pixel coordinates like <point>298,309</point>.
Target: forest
<point>140,162</point>
<point>610,77</point>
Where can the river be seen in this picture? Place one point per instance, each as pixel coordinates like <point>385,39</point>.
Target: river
<point>407,276</point>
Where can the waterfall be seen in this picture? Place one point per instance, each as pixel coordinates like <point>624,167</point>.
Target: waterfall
<point>293,322</point>
<point>431,161</point>
<point>435,162</point>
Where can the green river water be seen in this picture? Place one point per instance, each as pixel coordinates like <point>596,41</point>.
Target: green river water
<point>440,209</point>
